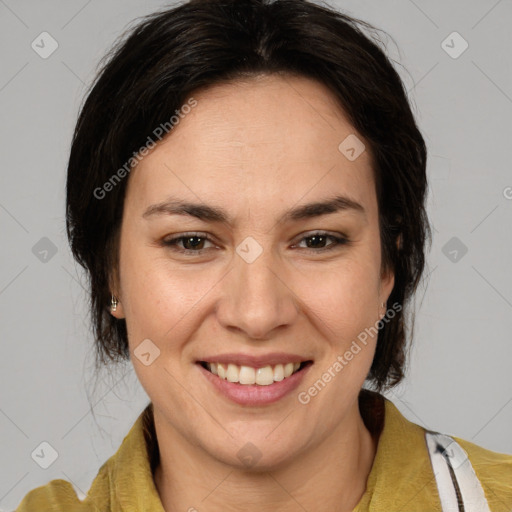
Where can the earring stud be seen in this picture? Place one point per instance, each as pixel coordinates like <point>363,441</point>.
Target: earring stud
<point>113,303</point>
<point>382,315</point>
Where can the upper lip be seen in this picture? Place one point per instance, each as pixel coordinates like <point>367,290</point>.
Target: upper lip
<point>270,359</point>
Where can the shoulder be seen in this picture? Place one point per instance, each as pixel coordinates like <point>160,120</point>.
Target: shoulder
<point>60,496</point>
<point>396,465</point>
<point>493,469</point>
<point>55,496</point>
<point>122,479</point>
<point>487,461</point>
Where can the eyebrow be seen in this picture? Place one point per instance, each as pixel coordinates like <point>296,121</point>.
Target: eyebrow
<point>207,213</point>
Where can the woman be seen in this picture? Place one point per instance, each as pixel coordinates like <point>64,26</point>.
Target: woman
<point>246,189</point>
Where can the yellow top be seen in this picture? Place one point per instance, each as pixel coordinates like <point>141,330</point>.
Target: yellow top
<point>401,478</point>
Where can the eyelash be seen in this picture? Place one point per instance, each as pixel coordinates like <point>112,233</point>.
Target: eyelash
<point>172,242</point>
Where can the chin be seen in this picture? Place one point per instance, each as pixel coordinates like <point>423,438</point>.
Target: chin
<point>256,456</point>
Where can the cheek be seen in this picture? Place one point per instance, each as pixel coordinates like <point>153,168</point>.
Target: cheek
<point>345,306</point>
<point>161,302</point>
<point>346,290</point>
<point>148,292</point>
<point>156,295</point>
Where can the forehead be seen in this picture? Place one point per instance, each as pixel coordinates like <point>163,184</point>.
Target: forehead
<point>303,112</point>
<point>263,138</point>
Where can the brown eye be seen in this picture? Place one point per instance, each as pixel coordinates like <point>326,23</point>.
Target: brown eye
<point>191,243</point>
<point>316,242</point>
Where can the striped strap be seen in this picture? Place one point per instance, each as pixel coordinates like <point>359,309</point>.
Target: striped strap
<point>458,486</point>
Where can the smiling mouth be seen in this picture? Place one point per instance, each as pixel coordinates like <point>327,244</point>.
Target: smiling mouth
<point>247,375</point>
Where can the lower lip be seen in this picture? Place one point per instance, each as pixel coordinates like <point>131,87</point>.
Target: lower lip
<point>245,394</point>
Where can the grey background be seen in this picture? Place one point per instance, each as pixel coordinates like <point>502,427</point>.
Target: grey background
<point>459,380</point>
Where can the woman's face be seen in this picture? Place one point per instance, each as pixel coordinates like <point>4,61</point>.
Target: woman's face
<point>256,287</point>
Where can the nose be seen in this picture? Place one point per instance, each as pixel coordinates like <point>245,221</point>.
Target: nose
<point>257,297</point>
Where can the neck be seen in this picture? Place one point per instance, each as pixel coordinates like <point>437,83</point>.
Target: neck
<point>329,476</point>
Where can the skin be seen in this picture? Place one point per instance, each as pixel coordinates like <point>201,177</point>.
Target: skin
<point>255,148</point>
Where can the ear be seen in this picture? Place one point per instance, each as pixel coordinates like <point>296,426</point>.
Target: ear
<point>119,311</point>
<point>399,242</point>
<point>115,290</point>
<point>387,282</point>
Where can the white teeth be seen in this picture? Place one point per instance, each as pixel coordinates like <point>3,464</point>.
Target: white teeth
<point>248,375</point>
<point>288,369</point>
<point>221,369</point>
<point>232,373</point>
<point>278,372</point>
<point>264,376</point>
